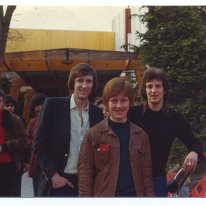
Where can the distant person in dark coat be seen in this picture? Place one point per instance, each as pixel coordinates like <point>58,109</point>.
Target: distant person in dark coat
<point>13,141</point>
<point>33,169</point>
<point>10,104</point>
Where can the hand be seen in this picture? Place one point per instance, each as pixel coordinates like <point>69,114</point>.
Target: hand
<point>190,162</point>
<point>59,181</point>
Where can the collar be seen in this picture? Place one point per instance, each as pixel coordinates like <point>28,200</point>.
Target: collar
<point>103,127</point>
<point>73,104</point>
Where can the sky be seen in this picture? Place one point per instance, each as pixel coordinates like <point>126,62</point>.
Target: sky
<point>91,15</point>
<point>90,18</point>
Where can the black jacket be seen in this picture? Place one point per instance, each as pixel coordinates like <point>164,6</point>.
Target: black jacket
<point>52,142</point>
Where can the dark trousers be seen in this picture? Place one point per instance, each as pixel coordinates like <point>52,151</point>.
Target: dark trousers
<point>8,173</point>
<point>67,191</point>
<point>160,186</point>
<point>35,181</point>
<point>17,184</point>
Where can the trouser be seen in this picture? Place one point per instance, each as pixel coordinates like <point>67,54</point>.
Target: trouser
<point>8,173</point>
<point>17,184</point>
<point>67,191</point>
<point>35,181</point>
<point>160,186</point>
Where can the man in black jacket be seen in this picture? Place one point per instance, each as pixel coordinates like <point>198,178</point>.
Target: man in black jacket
<point>62,125</point>
<point>163,125</point>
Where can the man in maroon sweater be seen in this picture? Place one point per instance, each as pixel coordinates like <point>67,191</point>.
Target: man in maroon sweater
<point>12,143</point>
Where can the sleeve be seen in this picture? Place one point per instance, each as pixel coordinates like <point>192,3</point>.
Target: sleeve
<point>187,137</point>
<point>86,170</point>
<point>42,141</point>
<point>18,143</point>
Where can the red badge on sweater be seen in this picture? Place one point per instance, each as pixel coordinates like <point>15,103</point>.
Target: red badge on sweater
<point>104,147</point>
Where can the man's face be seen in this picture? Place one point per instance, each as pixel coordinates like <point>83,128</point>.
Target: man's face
<point>155,92</point>
<point>9,106</point>
<point>37,109</point>
<point>83,86</point>
<point>119,107</point>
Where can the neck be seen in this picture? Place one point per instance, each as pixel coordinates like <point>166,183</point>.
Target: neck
<point>80,103</point>
<point>155,107</point>
<point>118,121</point>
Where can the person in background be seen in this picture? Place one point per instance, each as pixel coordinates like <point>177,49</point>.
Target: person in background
<point>163,125</point>
<point>10,104</point>
<point>115,159</point>
<point>34,170</point>
<point>62,125</point>
<point>13,141</point>
<point>100,104</point>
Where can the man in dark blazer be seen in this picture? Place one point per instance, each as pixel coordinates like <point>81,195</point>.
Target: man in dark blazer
<point>62,125</point>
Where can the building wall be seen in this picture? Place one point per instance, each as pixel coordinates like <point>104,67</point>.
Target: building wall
<point>120,29</point>
<point>30,39</point>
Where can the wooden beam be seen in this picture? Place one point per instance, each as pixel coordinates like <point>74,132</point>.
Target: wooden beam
<point>65,59</point>
<point>55,65</point>
<point>72,54</point>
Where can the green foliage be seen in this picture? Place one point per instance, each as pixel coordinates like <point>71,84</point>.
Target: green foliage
<point>175,41</point>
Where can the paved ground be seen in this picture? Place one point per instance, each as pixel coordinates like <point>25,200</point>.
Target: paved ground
<point>26,188</point>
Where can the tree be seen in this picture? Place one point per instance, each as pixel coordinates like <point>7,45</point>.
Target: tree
<point>5,20</point>
<point>175,41</point>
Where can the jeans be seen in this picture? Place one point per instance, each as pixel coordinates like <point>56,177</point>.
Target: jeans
<point>160,186</point>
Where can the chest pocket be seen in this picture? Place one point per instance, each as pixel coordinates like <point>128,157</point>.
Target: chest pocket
<point>102,152</point>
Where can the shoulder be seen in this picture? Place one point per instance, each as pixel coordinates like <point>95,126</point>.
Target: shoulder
<point>137,129</point>
<point>51,100</point>
<point>57,102</point>
<point>32,121</point>
<point>138,132</point>
<point>135,113</point>
<point>135,109</point>
<point>100,126</point>
<point>17,120</point>
<point>170,112</point>
<point>94,107</point>
<point>15,117</point>
<point>95,114</point>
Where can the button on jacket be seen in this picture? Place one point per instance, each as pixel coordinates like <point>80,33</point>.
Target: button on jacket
<point>99,160</point>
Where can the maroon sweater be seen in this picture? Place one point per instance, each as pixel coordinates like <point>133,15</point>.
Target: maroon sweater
<point>4,156</point>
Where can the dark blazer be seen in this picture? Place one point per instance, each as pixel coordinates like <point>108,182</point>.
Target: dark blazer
<point>52,141</point>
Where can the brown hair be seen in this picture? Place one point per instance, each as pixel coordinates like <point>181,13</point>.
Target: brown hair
<point>78,70</point>
<point>116,86</point>
<point>155,73</point>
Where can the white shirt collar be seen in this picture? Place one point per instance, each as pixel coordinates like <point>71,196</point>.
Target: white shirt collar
<point>73,104</point>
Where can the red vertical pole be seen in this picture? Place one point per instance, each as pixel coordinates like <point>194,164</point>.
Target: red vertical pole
<point>127,25</point>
